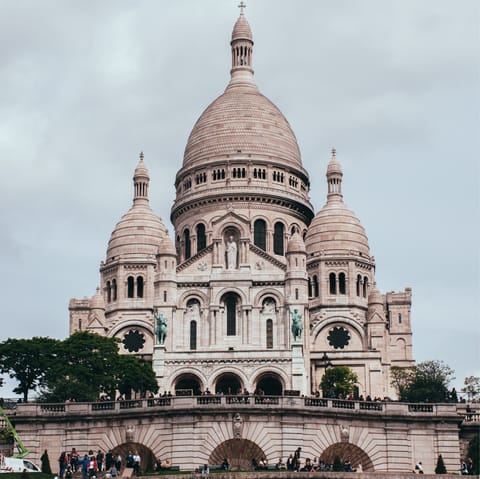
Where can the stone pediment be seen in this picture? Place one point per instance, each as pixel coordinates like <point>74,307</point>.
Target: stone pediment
<point>96,323</point>
<point>198,263</point>
<point>262,259</point>
<point>229,216</point>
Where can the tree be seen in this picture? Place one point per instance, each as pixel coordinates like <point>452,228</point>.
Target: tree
<point>28,361</point>
<point>440,469</point>
<point>472,387</point>
<point>135,375</point>
<point>338,381</point>
<point>401,379</point>
<point>86,366</point>
<point>426,382</point>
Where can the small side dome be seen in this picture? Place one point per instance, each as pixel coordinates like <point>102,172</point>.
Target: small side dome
<point>241,29</point>
<point>97,301</point>
<point>296,244</point>
<point>336,228</point>
<point>375,297</point>
<point>140,231</point>
<point>138,234</point>
<point>167,247</point>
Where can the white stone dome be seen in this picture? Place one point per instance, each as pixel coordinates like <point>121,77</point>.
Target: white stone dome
<point>336,229</point>
<point>140,232</point>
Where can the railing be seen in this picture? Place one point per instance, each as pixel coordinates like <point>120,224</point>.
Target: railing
<point>420,408</point>
<point>340,406</point>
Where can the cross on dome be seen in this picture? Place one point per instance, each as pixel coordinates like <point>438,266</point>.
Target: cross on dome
<point>334,153</point>
<point>241,6</point>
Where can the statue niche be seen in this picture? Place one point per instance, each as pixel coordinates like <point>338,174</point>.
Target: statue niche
<point>231,251</point>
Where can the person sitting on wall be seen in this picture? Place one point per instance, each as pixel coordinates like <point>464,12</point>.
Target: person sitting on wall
<point>205,469</point>
<point>225,464</point>
<point>281,464</point>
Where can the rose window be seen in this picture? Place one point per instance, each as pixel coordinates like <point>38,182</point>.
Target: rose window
<point>133,341</point>
<point>338,337</point>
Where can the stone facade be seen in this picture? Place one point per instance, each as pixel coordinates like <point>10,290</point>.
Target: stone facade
<point>258,292</point>
<point>191,431</point>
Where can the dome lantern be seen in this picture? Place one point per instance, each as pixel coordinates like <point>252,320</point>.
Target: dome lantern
<point>334,178</point>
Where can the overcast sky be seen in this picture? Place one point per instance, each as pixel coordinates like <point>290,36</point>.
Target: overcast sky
<point>393,85</point>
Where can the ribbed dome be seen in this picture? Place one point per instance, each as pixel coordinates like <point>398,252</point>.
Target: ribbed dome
<point>167,246</point>
<point>140,232</point>
<point>97,301</point>
<point>296,244</point>
<point>241,29</point>
<point>242,119</point>
<point>336,228</point>
<point>375,297</point>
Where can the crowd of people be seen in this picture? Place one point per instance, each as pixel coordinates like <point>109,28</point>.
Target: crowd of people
<point>93,463</point>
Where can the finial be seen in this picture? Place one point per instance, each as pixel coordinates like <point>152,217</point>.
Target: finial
<point>241,6</point>
<point>334,153</point>
<point>141,155</point>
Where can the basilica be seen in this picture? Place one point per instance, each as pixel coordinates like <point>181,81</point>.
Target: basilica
<point>255,291</point>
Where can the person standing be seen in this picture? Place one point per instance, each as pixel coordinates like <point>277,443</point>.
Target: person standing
<point>99,458</point>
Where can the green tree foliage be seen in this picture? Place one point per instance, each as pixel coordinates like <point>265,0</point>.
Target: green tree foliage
<point>87,365</point>
<point>472,387</point>
<point>135,375</point>
<point>338,381</point>
<point>426,382</point>
<point>28,361</point>
<point>440,468</point>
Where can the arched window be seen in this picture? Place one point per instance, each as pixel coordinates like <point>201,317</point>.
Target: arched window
<point>130,286</point>
<point>278,233</point>
<point>333,283</point>
<point>139,287</point>
<point>359,284</point>
<point>114,289</point>
<point>260,234</point>
<point>187,245</point>
<point>315,286</point>
<point>296,293</point>
<point>399,318</point>
<point>201,238</point>
<point>164,296</point>
<point>193,335</point>
<point>109,292</point>
<point>269,334</point>
<point>231,307</point>
<point>365,284</point>
<point>310,294</point>
<point>342,289</point>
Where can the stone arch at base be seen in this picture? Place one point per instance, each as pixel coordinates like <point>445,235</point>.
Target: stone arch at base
<point>147,457</point>
<point>239,453</point>
<point>346,450</point>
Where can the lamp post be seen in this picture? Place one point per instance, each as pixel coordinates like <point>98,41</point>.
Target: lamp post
<point>326,361</point>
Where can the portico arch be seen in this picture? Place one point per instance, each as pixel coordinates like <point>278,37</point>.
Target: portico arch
<point>228,383</point>
<point>239,452</point>
<point>147,457</point>
<point>189,381</point>
<point>270,384</point>
<point>346,450</point>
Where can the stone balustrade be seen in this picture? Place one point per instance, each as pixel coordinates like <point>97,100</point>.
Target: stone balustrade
<point>244,402</point>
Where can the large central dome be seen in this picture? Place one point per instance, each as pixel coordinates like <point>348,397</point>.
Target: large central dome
<point>242,120</point>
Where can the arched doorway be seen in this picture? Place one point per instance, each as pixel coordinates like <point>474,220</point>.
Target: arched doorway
<point>269,384</point>
<point>345,450</point>
<point>228,384</point>
<point>188,382</point>
<point>147,458</point>
<point>239,452</point>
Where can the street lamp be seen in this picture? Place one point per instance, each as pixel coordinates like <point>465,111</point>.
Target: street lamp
<point>326,361</point>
